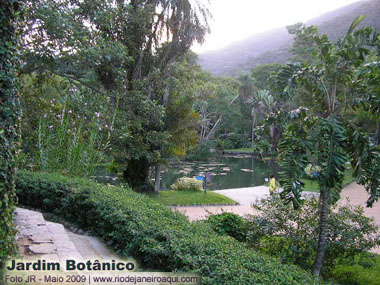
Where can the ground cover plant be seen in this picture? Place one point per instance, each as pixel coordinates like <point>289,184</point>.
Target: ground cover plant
<point>176,198</point>
<point>229,224</point>
<point>361,270</point>
<point>159,238</point>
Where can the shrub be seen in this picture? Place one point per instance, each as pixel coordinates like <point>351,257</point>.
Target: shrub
<point>158,237</point>
<point>362,270</point>
<point>228,224</point>
<point>290,234</point>
<point>312,171</point>
<point>187,184</point>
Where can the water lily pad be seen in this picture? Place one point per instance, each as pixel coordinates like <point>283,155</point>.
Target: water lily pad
<point>246,170</point>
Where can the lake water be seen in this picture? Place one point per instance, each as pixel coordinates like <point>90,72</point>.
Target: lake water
<point>227,172</point>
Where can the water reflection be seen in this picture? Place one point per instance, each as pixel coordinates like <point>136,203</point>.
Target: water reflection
<point>227,172</point>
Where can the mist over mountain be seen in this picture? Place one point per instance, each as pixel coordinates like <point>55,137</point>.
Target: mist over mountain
<point>273,46</point>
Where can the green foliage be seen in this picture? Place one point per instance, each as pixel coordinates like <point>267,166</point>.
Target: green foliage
<point>293,160</point>
<point>9,121</point>
<point>288,250</point>
<point>187,184</point>
<point>369,74</point>
<point>328,78</point>
<point>158,237</point>
<point>312,184</point>
<point>365,159</point>
<point>71,126</point>
<point>69,146</point>
<point>304,46</point>
<point>361,270</point>
<point>261,146</point>
<point>262,74</point>
<point>132,56</point>
<point>202,152</point>
<point>181,198</point>
<point>229,224</point>
<point>289,234</point>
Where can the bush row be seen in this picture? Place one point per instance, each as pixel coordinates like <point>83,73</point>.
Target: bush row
<point>137,226</point>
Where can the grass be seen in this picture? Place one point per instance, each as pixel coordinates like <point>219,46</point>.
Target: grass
<point>242,150</point>
<point>312,185</point>
<point>177,198</point>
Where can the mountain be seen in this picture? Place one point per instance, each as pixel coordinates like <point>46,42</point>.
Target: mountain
<point>273,46</point>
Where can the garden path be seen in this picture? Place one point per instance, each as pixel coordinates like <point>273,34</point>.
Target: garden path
<point>40,239</point>
<point>357,195</point>
<point>245,196</point>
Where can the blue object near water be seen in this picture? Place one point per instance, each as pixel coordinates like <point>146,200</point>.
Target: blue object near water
<point>200,178</point>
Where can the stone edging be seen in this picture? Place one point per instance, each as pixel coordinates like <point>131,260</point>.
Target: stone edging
<point>203,205</point>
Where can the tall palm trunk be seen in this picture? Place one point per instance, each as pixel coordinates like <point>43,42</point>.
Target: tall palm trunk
<point>253,113</point>
<point>157,181</point>
<point>323,215</point>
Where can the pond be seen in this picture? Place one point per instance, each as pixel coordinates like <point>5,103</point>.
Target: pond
<point>227,171</point>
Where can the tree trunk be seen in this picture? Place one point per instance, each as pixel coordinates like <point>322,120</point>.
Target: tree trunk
<point>377,134</point>
<point>253,114</point>
<point>323,215</point>
<point>212,132</point>
<point>275,133</point>
<point>157,180</point>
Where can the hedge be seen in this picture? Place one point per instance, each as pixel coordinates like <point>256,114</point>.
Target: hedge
<point>136,225</point>
<point>9,124</point>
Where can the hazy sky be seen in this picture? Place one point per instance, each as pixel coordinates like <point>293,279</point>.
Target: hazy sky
<point>234,20</point>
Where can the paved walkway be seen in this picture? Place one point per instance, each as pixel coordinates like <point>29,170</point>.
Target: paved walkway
<point>247,196</point>
<point>357,195</point>
<point>195,213</point>
<point>39,239</point>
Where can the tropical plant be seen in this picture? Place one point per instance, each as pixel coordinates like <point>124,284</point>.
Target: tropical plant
<point>279,230</point>
<point>319,135</point>
<point>70,146</point>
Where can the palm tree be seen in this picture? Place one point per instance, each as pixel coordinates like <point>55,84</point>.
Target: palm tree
<point>320,135</point>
